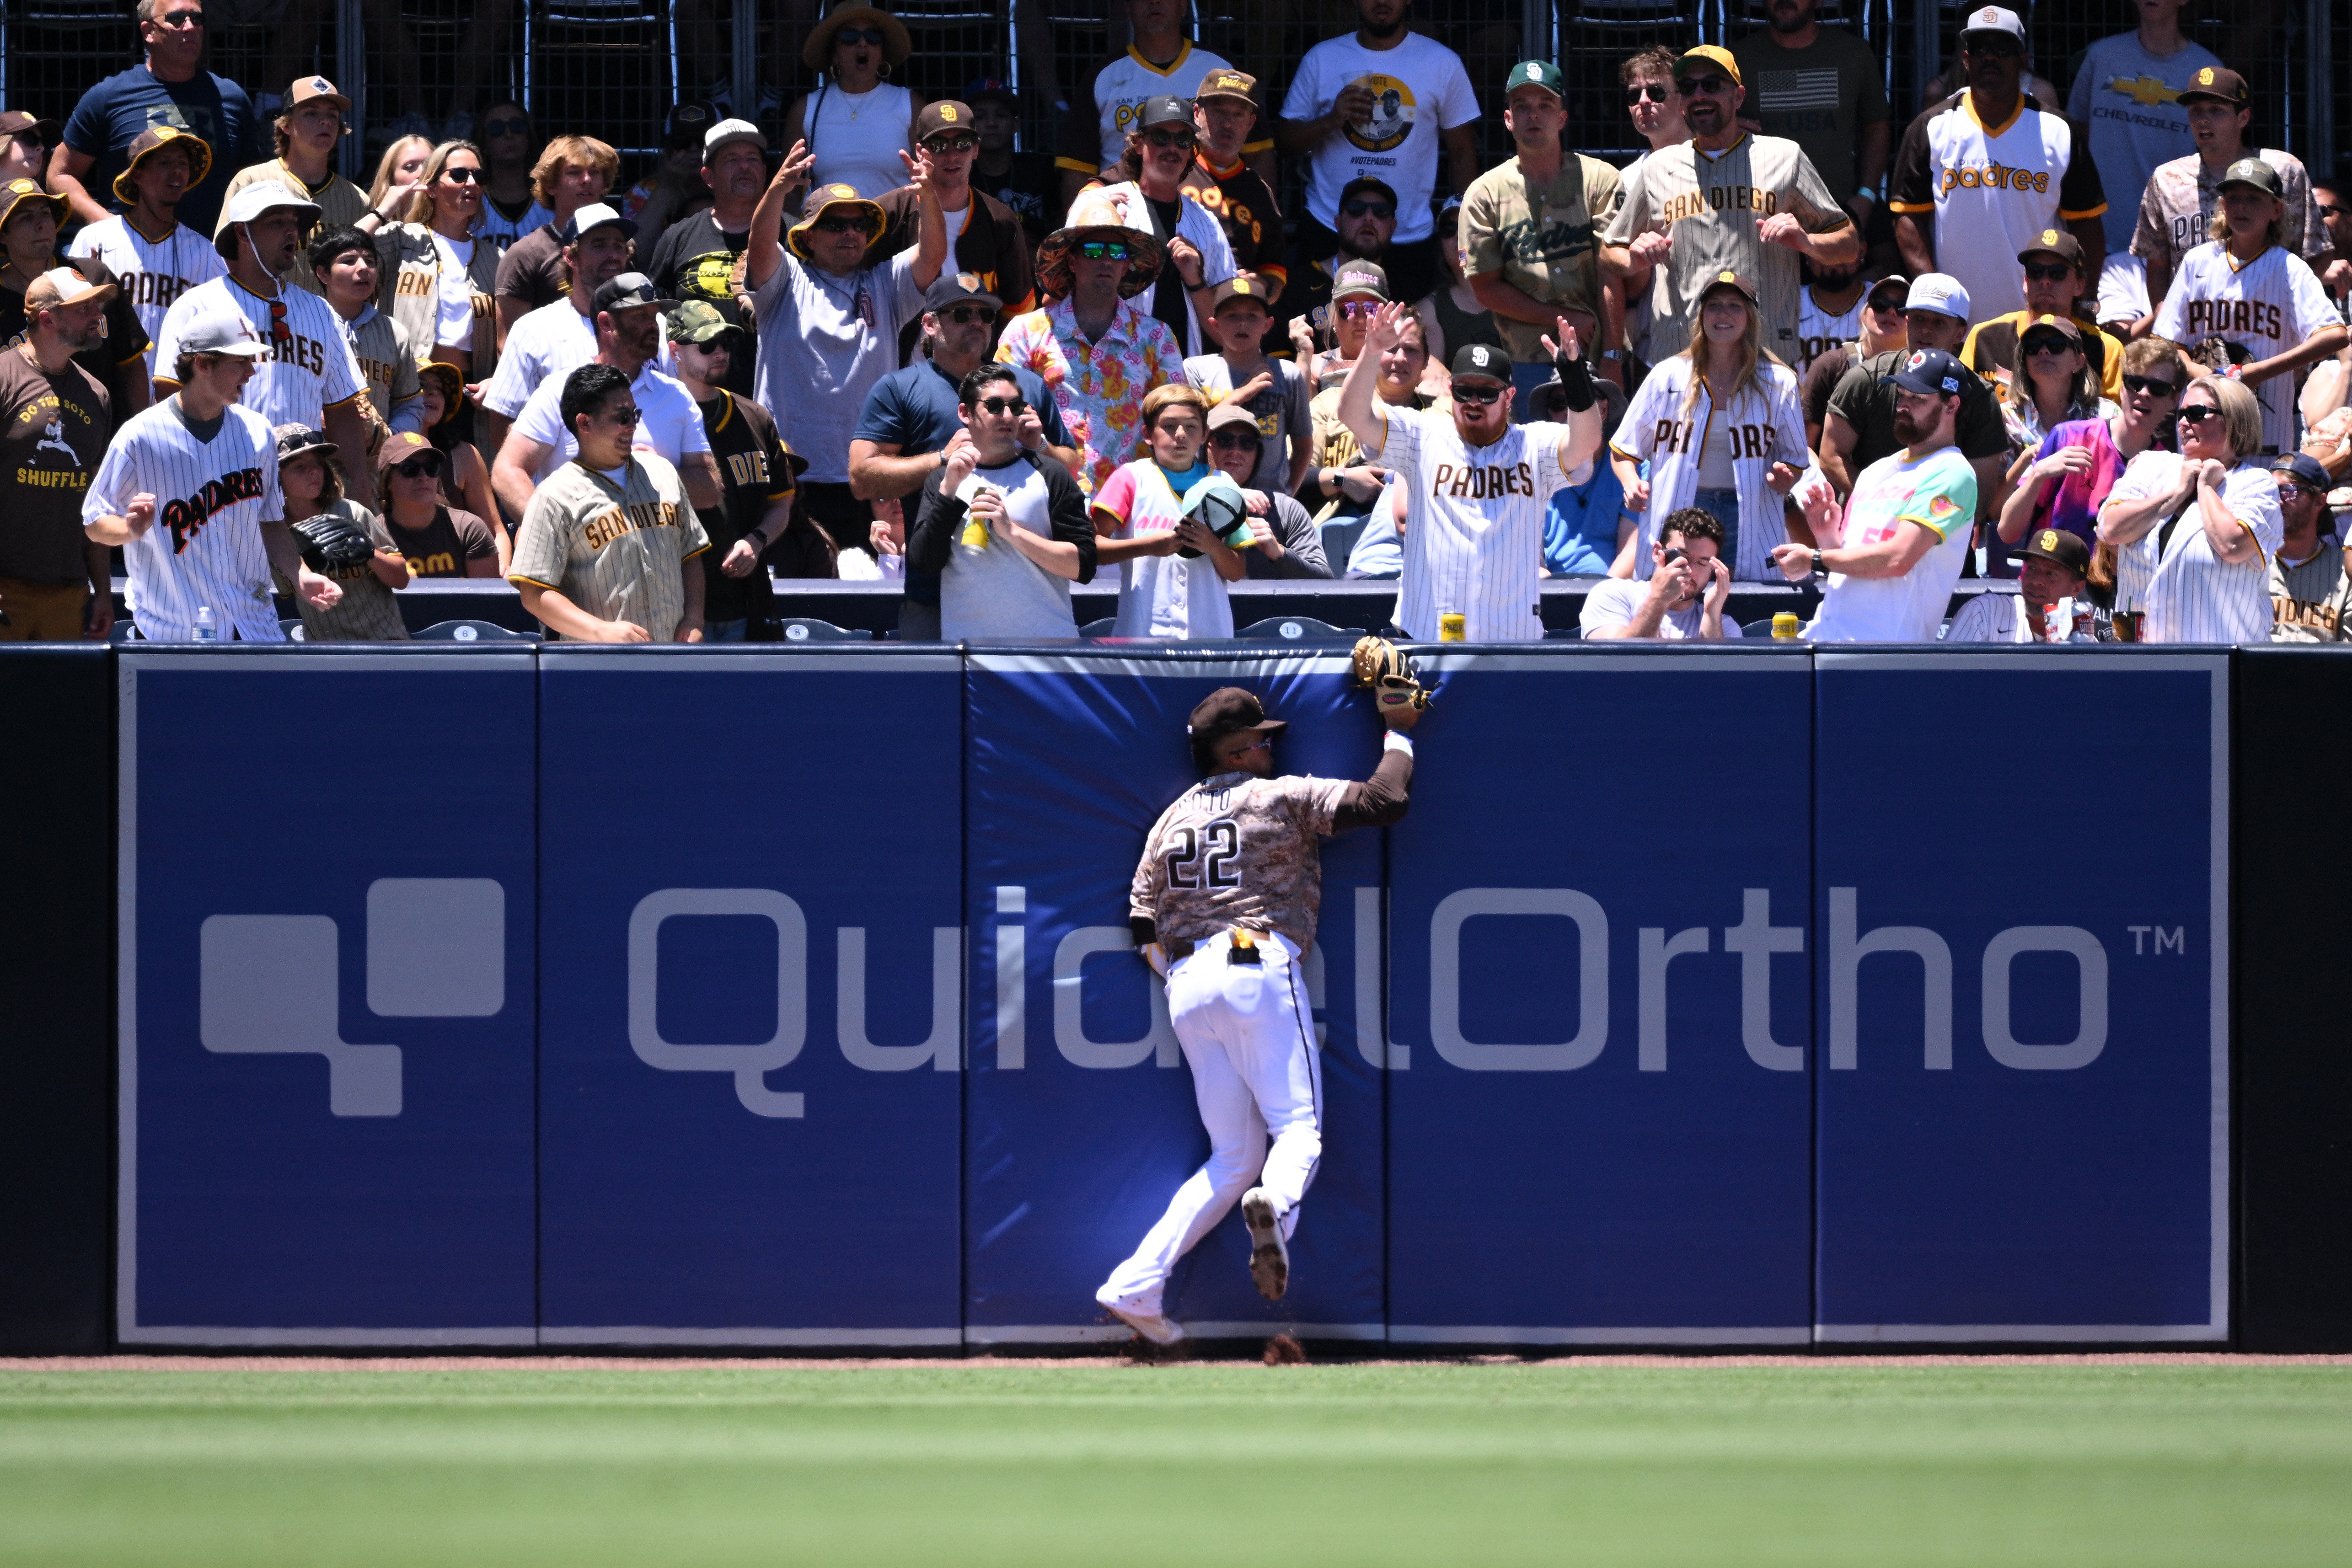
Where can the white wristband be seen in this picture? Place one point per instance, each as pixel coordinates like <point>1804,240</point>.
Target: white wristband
<point>1397,740</point>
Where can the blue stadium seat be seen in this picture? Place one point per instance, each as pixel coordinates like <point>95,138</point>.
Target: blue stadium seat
<point>472,632</point>
<point>1299,629</point>
<point>802,629</point>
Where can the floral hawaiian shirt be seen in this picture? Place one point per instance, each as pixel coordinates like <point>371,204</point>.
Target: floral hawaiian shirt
<point>1099,386</point>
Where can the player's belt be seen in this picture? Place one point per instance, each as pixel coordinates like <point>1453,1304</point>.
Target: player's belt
<point>1243,950</point>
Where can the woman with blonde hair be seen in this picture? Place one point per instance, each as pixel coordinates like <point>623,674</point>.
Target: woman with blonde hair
<point>437,277</point>
<point>857,122</point>
<point>398,172</point>
<point>2055,385</point>
<point>2194,531</point>
<point>1722,430</point>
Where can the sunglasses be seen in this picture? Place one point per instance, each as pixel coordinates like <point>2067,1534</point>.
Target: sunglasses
<point>2046,343</point>
<point>419,468</point>
<point>279,332</point>
<point>2336,212</point>
<point>854,36</point>
<point>461,176</point>
<point>518,126</point>
<point>1358,309</point>
<point>626,418</point>
<point>2045,274</point>
<point>1236,440</point>
<point>1358,208</point>
<point>1656,92</point>
<point>965,315</point>
<point>1012,405</point>
<point>1995,46</point>
<point>1481,396</point>
<point>2200,414</point>
<point>1164,137</point>
<point>1104,250</point>
<point>1700,86</point>
<point>1888,305</point>
<point>947,146</point>
<point>2154,386</point>
<point>834,224</point>
<point>2289,487</point>
<point>184,19</point>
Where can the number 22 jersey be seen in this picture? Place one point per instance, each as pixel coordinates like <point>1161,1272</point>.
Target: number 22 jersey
<point>1238,849</point>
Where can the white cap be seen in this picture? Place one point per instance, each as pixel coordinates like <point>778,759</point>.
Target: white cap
<point>218,330</point>
<point>1992,19</point>
<point>594,215</point>
<point>1939,292</point>
<point>727,130</point>
<point>263,196</point>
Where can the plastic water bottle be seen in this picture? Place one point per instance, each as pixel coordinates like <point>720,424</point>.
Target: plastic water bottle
<point>206,632</point>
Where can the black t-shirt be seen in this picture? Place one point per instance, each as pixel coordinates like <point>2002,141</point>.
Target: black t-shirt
<point>755,467</point>
<point>1031,187</point>
<point>114,361</point>
<point>1170,302</point>
<point>693,262</point>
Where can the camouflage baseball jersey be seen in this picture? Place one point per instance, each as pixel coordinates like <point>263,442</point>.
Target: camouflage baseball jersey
<point>1237,850</point>
<point>616,552</point>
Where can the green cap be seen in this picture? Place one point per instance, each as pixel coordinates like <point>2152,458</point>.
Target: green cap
<point>698,322</point>
<point>1536,73</point>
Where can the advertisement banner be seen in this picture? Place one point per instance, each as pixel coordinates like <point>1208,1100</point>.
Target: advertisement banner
<point>749,988</point>
<point>325,997</point>
<point>1600,1099</point>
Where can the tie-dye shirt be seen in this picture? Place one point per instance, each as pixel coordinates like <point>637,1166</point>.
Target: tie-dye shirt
<point>2073,503</point>
<point>1098,386</point>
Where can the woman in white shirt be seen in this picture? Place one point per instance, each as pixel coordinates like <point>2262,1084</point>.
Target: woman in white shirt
<point>1724,432</point>
<point>2198,527</point>
<point>856,123</point>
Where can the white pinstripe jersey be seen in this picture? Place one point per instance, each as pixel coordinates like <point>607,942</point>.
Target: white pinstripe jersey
<point>211,499</point>
<point>2192,596</point>
<point>1473,525</point>
<point>307,373</point>
<point>153,273</point>
<point>2269,305</point>
<point>1818,331</point>
<point>1764,424</point>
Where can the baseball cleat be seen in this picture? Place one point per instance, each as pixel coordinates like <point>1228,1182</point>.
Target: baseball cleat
<point>1156,1327</point>
<point>1269,1256</point>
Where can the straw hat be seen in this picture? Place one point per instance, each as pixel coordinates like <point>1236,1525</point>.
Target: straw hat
<point>816,50</point>
<point>1100,214</point>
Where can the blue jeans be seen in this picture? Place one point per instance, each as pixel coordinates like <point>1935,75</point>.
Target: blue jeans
<point>725,631</point>
<point>1526,379</point>
<point>1723,506</point>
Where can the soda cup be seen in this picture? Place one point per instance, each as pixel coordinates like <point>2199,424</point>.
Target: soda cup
<point>1453,627</point>
<point>1784,626</point>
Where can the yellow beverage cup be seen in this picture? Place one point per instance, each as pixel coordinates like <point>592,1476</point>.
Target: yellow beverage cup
<point>1453,627</point>
<point>975,535</point>
<point>1784,626</point>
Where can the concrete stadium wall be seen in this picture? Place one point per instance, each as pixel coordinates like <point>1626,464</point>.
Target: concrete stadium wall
<point>753,998</point>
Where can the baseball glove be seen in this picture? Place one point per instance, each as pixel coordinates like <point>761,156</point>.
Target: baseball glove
<point>329,543</point>
<point>1388,675</point>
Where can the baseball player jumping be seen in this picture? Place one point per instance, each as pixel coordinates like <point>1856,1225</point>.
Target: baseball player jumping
<point>1222,906</point>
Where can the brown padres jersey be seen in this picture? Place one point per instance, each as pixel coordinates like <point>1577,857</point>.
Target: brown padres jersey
<point>1237,850</point>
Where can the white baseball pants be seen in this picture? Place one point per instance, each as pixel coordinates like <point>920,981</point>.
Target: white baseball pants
<point>1249,1037</point>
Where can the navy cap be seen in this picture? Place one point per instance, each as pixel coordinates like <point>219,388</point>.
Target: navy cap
<point>1929,371</point>
<point>2304,470</point>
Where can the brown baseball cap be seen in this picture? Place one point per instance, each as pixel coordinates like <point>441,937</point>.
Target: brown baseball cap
<point>2218,83</point>
<point>2058,324</point>
<point>1726,279</point>
<point>1226,82</point>
<point>2057,243</point>
<point>1227,416</point>
<point>16,122</point>
<point>1362,278</point>
<point>307,90</point>
<point>945,115</point>
<point>64,285</point>
<point>17,192</point>
<point>154,139</point>
<point>1240,286</point>
<point>2060,548</point>
<point>400,446</point>
<point>1229,710</point>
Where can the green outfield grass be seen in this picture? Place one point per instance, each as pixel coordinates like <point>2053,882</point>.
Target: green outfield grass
<point>1195,1467</point>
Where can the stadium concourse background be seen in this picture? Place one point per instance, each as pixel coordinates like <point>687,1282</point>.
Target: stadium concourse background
<point>610,68</point>
<point>415,997</point>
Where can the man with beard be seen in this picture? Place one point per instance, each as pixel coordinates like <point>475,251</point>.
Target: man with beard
<point>984,238</point>
<point>309,377</point>
<point>1724,202</point>
<point>154,257</point>
<point>1381,101</point>
<point>1197,257</point>
<point>1367,217</point>
<point>1858,429</point>
<point>28,242</point>
<point>1528,243</point>
<point>1224,109</point>
<point>1820,87</point>
<point>55,585</point>
<point>555,340</point>
<point>697,253</point>
<point>1894,551</point>
<point>1829,312</point>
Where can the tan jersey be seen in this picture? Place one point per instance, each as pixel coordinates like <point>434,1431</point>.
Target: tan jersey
<point>1238,850</point>
<point>615,550</point>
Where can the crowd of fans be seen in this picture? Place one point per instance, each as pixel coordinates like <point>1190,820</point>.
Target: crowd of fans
<point>2098,345</point>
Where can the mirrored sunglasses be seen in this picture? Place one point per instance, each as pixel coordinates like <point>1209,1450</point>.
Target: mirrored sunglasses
<point>1104,250</point>
<point>948,146</point>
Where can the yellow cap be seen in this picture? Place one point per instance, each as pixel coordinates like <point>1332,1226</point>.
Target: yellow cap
<point>1718,55</point>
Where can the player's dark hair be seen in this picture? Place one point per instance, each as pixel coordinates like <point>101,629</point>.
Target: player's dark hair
<point>970,390</point>
<point>1693,523</point>
<point>586,390</point>
<point>333,243</point>
<point>183,369</point>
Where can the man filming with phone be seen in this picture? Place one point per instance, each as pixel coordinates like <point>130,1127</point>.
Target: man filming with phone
<point>1684,599</point>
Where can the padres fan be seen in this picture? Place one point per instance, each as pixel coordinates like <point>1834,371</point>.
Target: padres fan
<point>54,421</point>
<point>309,377</point>
<point>189,490</point>
<point>2051,572</point>
<point>2245,286</point>
<point>2198,526</point>
<point>1894,549</point>
<point>1224,109</point>
<point>2311,589</point>
<point>307,131</point>
<point>1478,485</point>
<point>1982,173</point>
<point>1158,58</point>
<point>607,552</point>
<point>347,265</point>
<point>153,255</point>
<point>1223,906</point>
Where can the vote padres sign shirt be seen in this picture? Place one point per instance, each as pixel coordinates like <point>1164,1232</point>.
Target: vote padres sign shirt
<point>1473,525</point>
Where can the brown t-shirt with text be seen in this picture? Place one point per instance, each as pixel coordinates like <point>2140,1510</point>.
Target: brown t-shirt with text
<point>55,432</point>
<point>443,547</point>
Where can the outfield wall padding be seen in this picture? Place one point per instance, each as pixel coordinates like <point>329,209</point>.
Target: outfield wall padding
<point>748,998</point>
